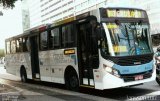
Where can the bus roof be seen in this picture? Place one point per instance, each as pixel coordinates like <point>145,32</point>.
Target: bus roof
<point>64,21</point>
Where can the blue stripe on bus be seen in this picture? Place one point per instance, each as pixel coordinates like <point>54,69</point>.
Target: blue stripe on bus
<point>134,69</point>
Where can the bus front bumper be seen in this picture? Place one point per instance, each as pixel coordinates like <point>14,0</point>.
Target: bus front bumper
<point>110,81</point>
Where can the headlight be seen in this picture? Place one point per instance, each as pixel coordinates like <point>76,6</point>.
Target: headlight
<point>111,70</point>
<point>107,68</point>
<point>115,72</point>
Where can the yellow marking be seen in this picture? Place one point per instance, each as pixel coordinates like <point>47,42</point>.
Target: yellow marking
<point>120,48</point>
<point>112,26</point>
<point>63,21</point>
<point>70,51</point>
<point>124,13</point>
<point>87,86</point>
<point>111,13</point>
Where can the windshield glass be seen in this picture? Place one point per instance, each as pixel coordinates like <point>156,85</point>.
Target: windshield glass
<point>129,38</point>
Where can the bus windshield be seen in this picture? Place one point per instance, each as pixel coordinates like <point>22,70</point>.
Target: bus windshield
<point>128,38</point>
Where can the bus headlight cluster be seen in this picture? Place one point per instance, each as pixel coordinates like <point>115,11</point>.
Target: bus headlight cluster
<point>111,70</point>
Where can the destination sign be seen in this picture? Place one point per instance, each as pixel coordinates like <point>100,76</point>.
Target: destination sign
<point>126,13</point>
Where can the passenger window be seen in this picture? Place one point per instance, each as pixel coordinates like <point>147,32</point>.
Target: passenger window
<point>28,45</point>
<point>24,44</point>
<point>68,37</point>
<point>43,40</point>
<point>54,38</point>
<point>19,45</point>
<point>8,47</point>
<point>13,46</point>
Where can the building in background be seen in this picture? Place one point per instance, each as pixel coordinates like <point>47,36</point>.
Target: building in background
<point>35,12</point>
<point>25,15</point>
<point>48,11</point>
<point>153,10</point>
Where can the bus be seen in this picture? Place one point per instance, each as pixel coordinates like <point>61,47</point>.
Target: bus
<point>102,49</point>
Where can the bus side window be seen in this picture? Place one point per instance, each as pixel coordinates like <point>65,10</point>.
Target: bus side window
<point>28,45</point>
<point>8,46</point>
<point>13,46</point>
<point>68,37</point>
<point>54,38</point>
<point>19,45</point>
<point>24,44</point>
<point>43,40</point>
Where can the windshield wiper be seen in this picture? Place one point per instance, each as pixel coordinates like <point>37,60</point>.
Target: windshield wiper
<point>127,36</point>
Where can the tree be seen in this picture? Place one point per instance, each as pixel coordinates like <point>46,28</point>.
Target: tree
<point>2,54</point>
<point>7,3</point>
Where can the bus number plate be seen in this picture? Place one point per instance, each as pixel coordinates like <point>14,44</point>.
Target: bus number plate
<point>139,77</point>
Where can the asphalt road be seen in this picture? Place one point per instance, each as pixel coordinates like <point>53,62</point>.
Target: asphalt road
<point>40,91</point>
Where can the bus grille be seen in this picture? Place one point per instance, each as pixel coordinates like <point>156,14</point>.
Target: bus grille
<point>131,77</point>
<point>132,60</point>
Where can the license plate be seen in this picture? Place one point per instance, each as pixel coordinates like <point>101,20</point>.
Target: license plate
<point>139,77</point>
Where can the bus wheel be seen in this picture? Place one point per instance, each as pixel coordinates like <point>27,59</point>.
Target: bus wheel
<point>71,81</point>
<point>158,80</point>
<point>23,75</point>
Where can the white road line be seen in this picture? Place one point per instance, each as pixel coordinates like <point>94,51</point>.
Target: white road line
<point>154,93</point>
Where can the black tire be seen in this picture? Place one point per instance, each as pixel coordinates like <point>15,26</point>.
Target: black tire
<point>23,75</point>
<point>158,80</point>
<point>71,80</point>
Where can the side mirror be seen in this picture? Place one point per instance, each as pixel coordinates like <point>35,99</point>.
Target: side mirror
<point>98,32</point>
<point>117,22</point>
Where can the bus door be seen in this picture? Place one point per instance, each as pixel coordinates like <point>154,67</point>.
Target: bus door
<point>87,53</point>
<point>34,57</point>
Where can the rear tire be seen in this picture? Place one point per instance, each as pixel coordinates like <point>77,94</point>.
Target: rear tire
<point>71,81</point>
<point>23,75</point>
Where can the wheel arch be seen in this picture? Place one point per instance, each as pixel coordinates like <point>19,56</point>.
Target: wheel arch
<point>22,67</point>
<point>69,68</point>
<point>71,78</point>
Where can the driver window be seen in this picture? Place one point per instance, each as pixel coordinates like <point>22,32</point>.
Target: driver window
<point>104,44</point>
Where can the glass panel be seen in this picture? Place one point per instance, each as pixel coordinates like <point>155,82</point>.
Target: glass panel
<point>8,48</point>
<point>54,38</point>
<point>13,46</point>
<point>129,38</point>
<point>24,44</point>
<point>68,37</point>
<point>28,45</point>
<point>19,45</point>
<point>43,40</point>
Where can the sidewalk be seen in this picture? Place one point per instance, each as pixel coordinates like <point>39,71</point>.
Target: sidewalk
<point>7,76</point>
<point>11,93</point>
<point>7,89</point>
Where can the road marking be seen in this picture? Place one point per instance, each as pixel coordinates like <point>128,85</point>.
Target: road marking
<point>154,93</point>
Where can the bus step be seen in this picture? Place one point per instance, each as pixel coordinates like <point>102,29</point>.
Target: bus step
<point>36,79</point>
<point>87,86</point>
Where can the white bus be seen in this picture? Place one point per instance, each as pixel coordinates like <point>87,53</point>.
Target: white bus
<point>102,49</point>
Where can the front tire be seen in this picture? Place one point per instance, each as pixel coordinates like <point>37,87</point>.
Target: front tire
<point>71,81</point>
